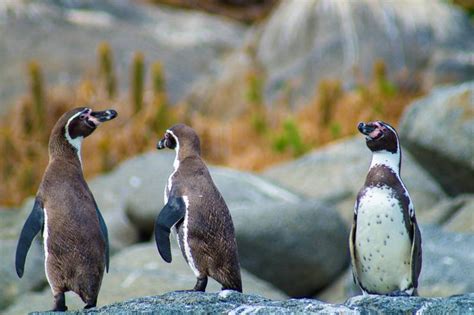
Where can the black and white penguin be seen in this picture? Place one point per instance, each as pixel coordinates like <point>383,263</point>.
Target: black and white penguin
<point>74,232</point>
<point>385,241</point>
<point>198,214</point>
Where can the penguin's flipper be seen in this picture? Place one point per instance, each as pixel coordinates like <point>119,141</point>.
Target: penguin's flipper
<point>105,235</point>
<point>172,212</point>
<point>352,240</point>
<point>416,257</point>
<point>34,223</point>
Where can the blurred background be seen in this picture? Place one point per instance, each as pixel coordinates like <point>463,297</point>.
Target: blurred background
<point>275,89</point>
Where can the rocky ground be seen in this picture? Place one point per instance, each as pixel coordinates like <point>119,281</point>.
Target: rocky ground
<point>231,302</point>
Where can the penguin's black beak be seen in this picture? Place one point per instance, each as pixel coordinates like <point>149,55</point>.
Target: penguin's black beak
<point>105,115</point>
<point>366,129</point>
<point>161,144</point>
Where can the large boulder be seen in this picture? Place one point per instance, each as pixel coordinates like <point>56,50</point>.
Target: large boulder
<point>447,257</point>
<point>463,219</point>
<point>140,271</point>
<point>147,175</point>
<point>438,130</point>
<point>230,302</point>
<point>299,247</point>
<point>422,43</point>
<point>278,225</point>
<point>64,35</point>
<point>338,172</point>
<point>455,214</point>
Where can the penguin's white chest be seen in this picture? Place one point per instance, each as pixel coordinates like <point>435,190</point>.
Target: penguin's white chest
<point>383,246</point>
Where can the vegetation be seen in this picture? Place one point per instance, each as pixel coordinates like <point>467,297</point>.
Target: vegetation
<point>262,135</point>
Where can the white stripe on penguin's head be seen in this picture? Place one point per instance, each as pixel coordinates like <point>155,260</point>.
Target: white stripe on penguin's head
<point>176,148</point>
<point>77,141</point>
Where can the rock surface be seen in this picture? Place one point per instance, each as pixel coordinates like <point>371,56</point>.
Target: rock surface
<point>140,271</point>
<point>463,219</point>
<point>298,247</point>
<point>231,302</point>
<point>422,43</point>
<point>446,258</point>
<point>455,214</point>
<point>438,130</point>
<point>136,187</point>
<point>53,31</point>
<point>11,286</point>
<point>284,228</point>
<point>338,171</point>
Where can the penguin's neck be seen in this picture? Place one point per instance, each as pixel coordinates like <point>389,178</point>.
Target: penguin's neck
<point>183,153</point>
<point>388,159</point>
<point>67,149</point>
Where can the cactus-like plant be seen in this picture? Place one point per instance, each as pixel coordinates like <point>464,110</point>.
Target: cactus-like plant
<point>9,150</point>
<point>106,161</point>
<point>157,79</point>
<point>384,86</point>
<point>258,114</point>
<point>37,95</point>
<point>137,76</point>
<point>161,111</point>
<point>329,92</point>
<point>106,69</point>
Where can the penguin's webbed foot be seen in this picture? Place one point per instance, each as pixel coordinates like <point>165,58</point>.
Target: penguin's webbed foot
<point>59,303</point>
<point>201,284</point>
<point>88,306</point>
<point>398,293</point>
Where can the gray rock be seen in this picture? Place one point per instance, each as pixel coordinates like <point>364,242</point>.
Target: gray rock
<point>299,247</point>
<point>11,287</point>
<point>461,304</point>
<point>438,130</point>
<point>34,278</point>
<point>253,202</point>
<point>463,219</point>
<point>456,214</point>
<point>140,271</point>
<point>235,303</point>
<point>320,39</point>
<point>52,32</point>
<point>338,171</point>
<point>121,231</point>
<point>447,257</point>
<point>304,42</point>
<point>140,182</point>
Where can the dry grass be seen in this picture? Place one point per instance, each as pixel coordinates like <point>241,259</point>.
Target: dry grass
<point>254,140</point>
<point>246,11</point>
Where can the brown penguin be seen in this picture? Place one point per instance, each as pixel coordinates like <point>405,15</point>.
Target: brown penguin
<point>74,232</point>
<point>196,211</point>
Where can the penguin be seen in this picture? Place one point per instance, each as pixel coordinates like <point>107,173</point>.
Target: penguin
<point>385,241</point>
<point>74,232</point>
<point>198,215</point>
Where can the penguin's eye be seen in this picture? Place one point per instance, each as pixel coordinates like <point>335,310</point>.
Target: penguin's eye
<point>82,117</point>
